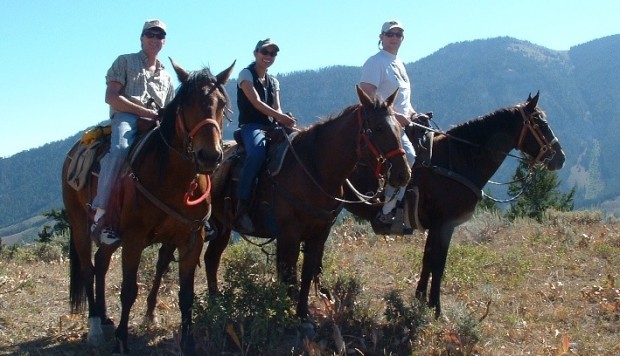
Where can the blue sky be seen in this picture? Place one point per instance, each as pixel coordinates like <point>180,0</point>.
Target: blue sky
<point>54,53</point>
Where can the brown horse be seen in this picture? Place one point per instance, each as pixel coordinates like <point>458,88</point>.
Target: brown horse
<point>167,170</point>
<point>450,179</point>
<point>301,202</point>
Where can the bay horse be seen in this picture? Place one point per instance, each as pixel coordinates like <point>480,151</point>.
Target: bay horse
<point>446,184</point>
<point>163,198</point>
<point>300,203</point>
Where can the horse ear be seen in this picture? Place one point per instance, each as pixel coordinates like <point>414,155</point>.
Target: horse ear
<point>391,98</point>
<point>182,74</point>
<point>223,77</point>
<point>364,98</point>
<point>531,103</point>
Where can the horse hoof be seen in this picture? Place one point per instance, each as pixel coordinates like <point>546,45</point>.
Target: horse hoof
<point>120,348</point>
<point>151,320</point>
<point>95,340</point>
<point>96,336</point>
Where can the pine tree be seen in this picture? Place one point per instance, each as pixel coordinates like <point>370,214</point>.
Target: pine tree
<point>537,193</point>
<point>61,224</point>
<point>45,235</point>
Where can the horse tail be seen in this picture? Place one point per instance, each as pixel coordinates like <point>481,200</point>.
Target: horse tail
<point>77,290</point>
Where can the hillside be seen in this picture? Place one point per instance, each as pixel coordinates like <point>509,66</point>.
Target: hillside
<point>580,91</point>
<point>519,288</point>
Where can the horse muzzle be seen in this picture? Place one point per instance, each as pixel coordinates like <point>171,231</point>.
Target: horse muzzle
<point>207,161</point>
<point>399,177</point>
<point>556,159</point>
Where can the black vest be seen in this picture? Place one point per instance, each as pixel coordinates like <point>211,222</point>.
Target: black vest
<point>247,112</point>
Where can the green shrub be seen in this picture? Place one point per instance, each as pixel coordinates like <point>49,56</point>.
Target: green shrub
<point>252,314</point>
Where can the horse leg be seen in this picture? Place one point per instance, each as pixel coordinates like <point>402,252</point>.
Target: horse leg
<point>187,271</point>
<point>434,263</point>
<point>313,255</point>
<point>287,255</point>
<point>213,255</point>
<point>164,257</point>
<point>425,273</point>
<point>102,265</point>
<point>81,277</point>
<point>129,292</point>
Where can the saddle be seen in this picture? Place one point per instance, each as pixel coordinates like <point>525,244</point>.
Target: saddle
<point>234,159</point>
<point>421,138</point>
<point>278,143</point>
<point>93,146</point>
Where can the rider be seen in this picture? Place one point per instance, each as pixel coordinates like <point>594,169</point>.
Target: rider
<point>382,74</point>
<point>132,81</point>
<point>258,100</point>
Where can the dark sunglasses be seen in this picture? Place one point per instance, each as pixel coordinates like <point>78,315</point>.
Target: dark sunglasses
<point>393,34</point>
<point>158,35</point>
<point>265,52</point>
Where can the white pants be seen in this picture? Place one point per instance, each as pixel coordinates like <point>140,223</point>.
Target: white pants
<point>397,194</point>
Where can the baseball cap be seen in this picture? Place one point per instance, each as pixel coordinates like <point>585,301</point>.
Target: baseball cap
<point>154,23</point>
<point>390,25</point>
<point>266,42</point>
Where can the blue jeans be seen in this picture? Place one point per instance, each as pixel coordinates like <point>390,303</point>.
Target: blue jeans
<point>255,143</point>
<point>392,191</point>
<point>124,132</point>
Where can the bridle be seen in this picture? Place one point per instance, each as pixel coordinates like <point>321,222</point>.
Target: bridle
<point>536,132</point>
<point>534,129</point>
<point>190,134</point>
<point>380,159</point>
<point>189,154</point>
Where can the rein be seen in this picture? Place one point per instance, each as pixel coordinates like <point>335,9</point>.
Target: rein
<point>192,187</point>
<point>194,225</point>
<point>528,126</point>
<point>365,139</point>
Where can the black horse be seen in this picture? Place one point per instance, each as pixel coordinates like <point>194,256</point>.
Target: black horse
<point>452,169</point>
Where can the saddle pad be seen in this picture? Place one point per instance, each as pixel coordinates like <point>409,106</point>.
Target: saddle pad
<point>81,163</point>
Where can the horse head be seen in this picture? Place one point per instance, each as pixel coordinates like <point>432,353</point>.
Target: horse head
<point>537,140</point>
<point>381,135</point>
<point>203,103</point>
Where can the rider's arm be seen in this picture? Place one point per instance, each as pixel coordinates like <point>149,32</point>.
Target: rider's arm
<point>275,112</point>
<point>118,102</point>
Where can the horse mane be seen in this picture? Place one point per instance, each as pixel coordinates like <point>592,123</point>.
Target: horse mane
<point>310,134</point>
<point>478,130</point>
<point>323,124</point>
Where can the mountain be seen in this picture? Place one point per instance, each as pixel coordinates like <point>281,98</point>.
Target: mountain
<point>579,90</point>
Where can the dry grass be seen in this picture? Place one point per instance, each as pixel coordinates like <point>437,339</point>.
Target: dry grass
<point>548,289</point>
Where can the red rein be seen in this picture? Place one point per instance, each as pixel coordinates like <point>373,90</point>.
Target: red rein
<point>190,192</point>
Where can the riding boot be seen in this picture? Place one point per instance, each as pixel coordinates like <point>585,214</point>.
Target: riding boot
<point>243,223</point>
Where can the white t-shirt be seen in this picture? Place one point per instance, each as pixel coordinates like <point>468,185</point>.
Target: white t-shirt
<point>387,72</point>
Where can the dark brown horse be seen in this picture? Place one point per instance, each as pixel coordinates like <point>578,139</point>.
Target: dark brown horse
<point>163,198</point>
<point>449,181</point>
<point>301,202</point>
